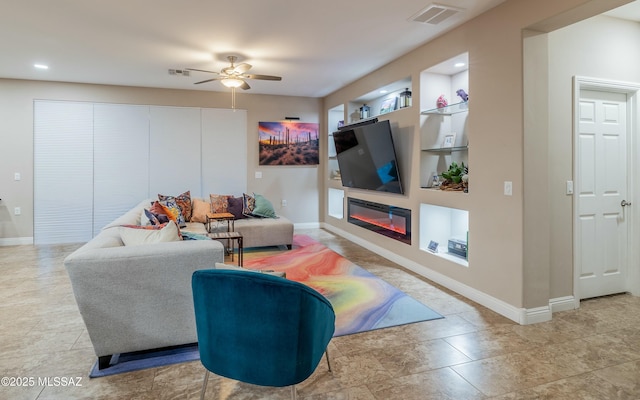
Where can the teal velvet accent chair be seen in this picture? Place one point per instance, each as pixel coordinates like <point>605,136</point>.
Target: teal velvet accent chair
<point>258,328</point>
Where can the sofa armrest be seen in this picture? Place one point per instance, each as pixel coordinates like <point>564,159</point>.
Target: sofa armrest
<point>139,297</point>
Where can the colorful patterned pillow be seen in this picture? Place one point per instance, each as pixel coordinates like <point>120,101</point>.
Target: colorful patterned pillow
<point>235,207</point>
<point>248,204</point>
<point>158,212</point>
<point>263,207</point>
<point>173,212</point>
<point>200,210</point>
<point>219,203</point>
<point>183,201</point>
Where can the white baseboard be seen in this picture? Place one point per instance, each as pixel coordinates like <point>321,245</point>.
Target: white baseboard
<point>535,315</point>
<point>520,315</point>
<point>16,241</point>
<point>565,303</point>
<point>307,225</point>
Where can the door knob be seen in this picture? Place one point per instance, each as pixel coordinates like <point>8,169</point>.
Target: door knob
<point>624,203</point>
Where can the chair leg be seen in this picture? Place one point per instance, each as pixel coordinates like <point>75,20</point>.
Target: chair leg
<point>326,353</point>
<point>204,384</point>
<point>294,394</point>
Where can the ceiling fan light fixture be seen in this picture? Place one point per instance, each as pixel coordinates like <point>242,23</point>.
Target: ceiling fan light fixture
<point>232,82</point>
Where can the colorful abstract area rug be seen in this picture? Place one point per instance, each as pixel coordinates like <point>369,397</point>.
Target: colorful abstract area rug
<point>362,301</point>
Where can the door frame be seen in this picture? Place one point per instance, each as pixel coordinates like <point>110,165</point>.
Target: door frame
<point>632,90</point>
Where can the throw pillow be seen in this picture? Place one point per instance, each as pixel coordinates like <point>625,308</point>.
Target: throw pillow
<point>183,201</point>
<point>144,217</point>
<point>158,212</point>
<point>248,204</point>
<point>263,207</point>
<point>200,210</point>
<point>137,235</point>
<point>173,212</point>
<point>219,203</point>
<point>235,207</point>
<point>149,218</point>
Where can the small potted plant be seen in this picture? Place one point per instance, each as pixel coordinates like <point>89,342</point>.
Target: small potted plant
<point>456,178</point>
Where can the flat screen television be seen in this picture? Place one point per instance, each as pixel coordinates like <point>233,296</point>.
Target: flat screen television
<point>367,158</point>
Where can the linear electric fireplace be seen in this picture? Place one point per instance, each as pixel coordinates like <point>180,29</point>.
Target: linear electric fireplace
<point>390,221</point>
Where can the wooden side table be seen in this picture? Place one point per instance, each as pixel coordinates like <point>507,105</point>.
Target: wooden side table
<point>221,217</point>
<point>230,236</point>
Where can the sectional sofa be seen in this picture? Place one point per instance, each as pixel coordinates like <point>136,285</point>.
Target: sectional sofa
<point>138,297</point>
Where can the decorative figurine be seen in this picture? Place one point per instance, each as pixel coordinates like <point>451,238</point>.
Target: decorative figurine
<point>463,95</point>
<point>442,102</point>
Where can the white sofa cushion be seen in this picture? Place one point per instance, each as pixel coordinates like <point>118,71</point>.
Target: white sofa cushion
<point>134,236</point>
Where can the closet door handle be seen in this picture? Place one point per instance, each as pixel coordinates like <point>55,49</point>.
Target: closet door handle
<point>624,203</point>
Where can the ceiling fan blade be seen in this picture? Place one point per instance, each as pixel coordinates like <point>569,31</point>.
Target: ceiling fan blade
<point>201,70</point>
<point>242,68</point>
<point>208,80</point>
<point>245,86</point>
<point>263,77</point>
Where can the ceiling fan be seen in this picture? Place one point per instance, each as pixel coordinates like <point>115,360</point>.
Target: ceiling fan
<point>234,76</point>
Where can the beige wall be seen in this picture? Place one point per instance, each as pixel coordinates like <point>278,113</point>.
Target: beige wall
<point>603,48</point>
<point>494,41</point>
<point>298,185</point>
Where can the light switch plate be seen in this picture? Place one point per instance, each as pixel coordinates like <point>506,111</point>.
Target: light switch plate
<point>569,187</point>
<point>508,188</point>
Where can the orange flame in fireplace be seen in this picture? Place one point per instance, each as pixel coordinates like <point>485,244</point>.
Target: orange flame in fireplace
<point>386,225</point>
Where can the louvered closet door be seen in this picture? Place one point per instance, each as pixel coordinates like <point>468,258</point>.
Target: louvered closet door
<point>224,151</point>
<point>63,172</point>
<point>174,165</point>
<point>121,160</point>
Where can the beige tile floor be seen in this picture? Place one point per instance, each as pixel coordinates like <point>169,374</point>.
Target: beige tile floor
<point>473,353</point>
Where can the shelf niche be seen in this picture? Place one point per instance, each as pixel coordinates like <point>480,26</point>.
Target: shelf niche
<point>440,224</point>
<point>437,122</point>
<point>378,100</point>
<point>335,203</point>
<point>335,119</point>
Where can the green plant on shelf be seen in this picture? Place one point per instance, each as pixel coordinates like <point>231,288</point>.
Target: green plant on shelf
<point>456,177</point>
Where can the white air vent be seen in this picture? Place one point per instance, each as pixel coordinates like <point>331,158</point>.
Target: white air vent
<point>179,72</point>
<point>434,14</point>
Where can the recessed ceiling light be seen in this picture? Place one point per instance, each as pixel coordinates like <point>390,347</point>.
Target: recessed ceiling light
<point>41,66</point>
<point>458,65</point>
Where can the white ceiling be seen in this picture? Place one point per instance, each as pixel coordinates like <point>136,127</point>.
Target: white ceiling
<point>316,46</point>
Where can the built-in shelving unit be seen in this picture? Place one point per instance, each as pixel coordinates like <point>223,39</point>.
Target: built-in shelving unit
<point>381,101</point>
<point>336,119</point>
<point>335,193</point>
<point>444,215</point>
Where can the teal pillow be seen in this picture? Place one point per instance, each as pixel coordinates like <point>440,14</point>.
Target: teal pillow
<point>263,207</point>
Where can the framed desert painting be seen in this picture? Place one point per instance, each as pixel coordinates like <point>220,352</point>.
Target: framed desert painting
<point>288,143</point>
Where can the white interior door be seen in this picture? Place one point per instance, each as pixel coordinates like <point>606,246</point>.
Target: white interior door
<point>601,227</point>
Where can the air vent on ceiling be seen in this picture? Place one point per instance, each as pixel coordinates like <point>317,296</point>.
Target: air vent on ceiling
<point>434,14</point>
<point>179,72</point>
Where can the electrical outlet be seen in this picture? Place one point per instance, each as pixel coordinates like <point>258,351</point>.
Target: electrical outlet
<point>16,176</point>
<point>258,175</point>
<point>508,188</point>
<point>17,211</point>
<point>283,203</point>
